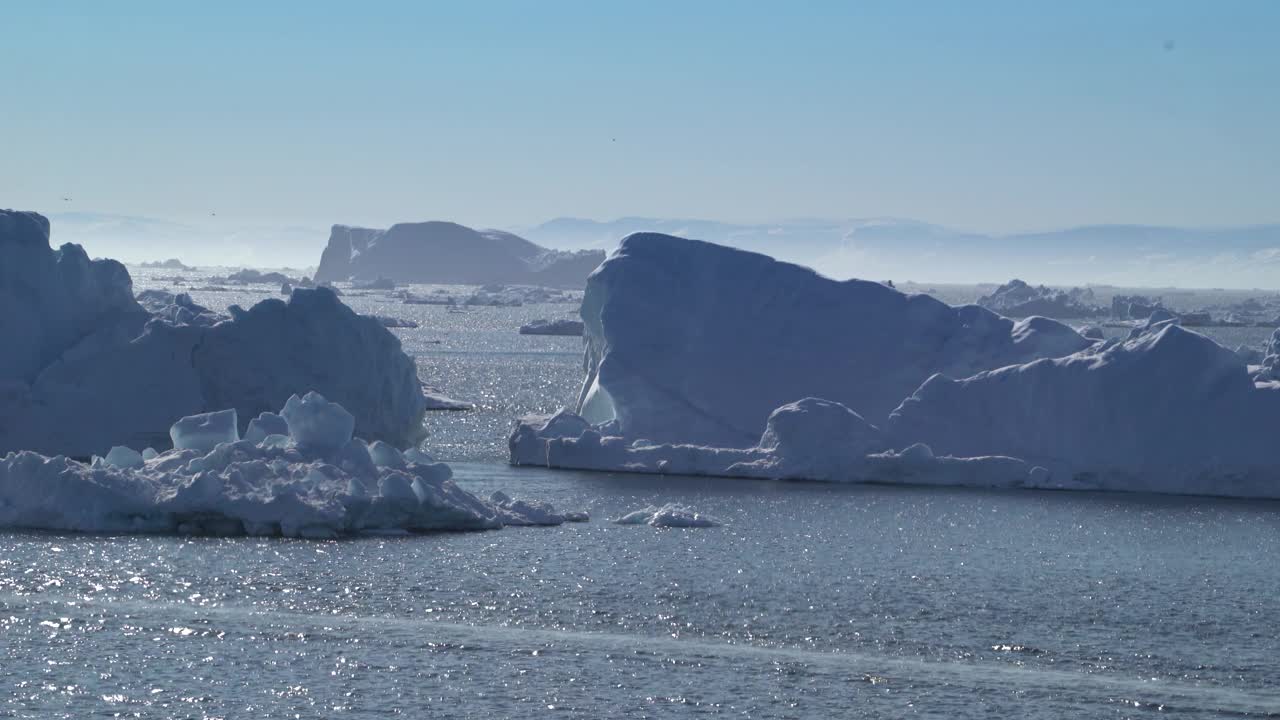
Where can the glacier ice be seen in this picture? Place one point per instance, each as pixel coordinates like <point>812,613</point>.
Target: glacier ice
<point>693,342</point>
<point>317,423</point>
<point>85,366</point>
<point>1163,410</point>
<point>205,431</point>
<point>273,487</point>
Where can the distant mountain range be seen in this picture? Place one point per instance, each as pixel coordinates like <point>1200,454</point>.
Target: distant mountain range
<point>892,248</point>
<point>874,248</point>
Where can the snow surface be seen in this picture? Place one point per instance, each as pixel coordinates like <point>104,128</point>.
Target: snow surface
<point>85,367</point>
<point>693,342</point>
<point>278,486</point>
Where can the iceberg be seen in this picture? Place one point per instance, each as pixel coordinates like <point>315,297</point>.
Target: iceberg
<point>1018,299</point>
<point>522,512</point>
<point>1164,410</point>
<point>85,366</point>
<point>448,253</point>
<point>1168,410</point>
<point>693,342</point>
<point>276,487</point>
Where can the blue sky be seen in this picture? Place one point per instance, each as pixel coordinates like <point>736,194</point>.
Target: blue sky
<point>991,116</point>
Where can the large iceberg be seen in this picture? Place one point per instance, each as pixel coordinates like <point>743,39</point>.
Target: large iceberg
<point>1164,410</point>
<point>693,342</point>
<point>316,482</point>
<point>445,252</point>
<point>85,367</point>
<point>1168,410</point>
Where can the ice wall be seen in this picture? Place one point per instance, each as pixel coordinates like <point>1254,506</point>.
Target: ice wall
<point>697,343</point>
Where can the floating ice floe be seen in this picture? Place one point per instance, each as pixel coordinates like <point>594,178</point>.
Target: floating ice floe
<point>85,366</point>
<point>670,515</point>
<point>534,512</point>
<point>1164,410</point>
<point>317,481</point>
<point>572,328</point>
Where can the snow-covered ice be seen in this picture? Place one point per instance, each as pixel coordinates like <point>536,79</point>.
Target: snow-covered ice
<point>278,486</point>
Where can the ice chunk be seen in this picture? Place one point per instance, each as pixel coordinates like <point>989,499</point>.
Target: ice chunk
<point>267,423</point>
<point>275,487</point>
<point>668,516</point>
<point>414,455</point>
<point>123,457</point>
<point>385,455</point>
<point>316,423</point>
<point>205,431</point>
<point>521,512</point>
<point>571,328</point>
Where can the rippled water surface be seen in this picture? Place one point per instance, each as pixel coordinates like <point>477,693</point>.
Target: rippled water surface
<point>812,601</point>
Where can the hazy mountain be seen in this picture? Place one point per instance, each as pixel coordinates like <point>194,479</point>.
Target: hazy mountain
<point>891,248</point>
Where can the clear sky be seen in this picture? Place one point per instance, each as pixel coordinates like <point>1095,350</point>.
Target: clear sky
<point>991,116</point>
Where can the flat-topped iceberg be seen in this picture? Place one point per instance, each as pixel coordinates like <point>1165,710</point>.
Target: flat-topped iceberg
<point>85,367</point>
<point>1164,410</point>
<point>693,342</point>
<point>316,482</point>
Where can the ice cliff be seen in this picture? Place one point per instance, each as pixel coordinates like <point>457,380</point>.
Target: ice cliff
<point>84,366</point>
<point>693,342</point>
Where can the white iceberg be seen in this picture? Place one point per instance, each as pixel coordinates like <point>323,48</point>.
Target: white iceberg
<point>1165,410</point>
<point>693,342</point>
<point>274,487</point>
<point>85,367</point>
